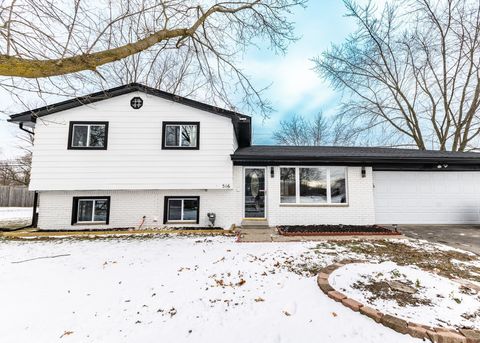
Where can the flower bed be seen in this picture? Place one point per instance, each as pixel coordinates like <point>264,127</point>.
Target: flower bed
<point>443,312</point>
<point>333,230</point>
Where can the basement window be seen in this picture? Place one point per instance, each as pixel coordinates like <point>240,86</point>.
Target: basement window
<point>91,210</point>
<point>88,135</point>
<point>181,210</point>
<point>313,185</point>
<point>181,135</point>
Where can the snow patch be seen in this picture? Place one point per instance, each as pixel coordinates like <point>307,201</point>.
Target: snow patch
<point>450,306</point>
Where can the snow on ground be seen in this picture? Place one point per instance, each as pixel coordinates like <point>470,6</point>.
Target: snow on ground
<point>173,290</point>
<point>447,301</point>
<point>12,213</point>
<point>15,216</point>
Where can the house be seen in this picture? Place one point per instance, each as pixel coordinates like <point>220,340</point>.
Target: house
<point>133,155</point>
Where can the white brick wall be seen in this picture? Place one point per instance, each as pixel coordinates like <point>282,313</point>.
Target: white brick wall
<point>129,206</point>
<point>360,208</point>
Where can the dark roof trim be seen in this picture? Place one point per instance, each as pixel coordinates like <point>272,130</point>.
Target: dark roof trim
<point>241,122</point>
<point>394,165</point>
<point>378,158</point>
<point>341,160</point>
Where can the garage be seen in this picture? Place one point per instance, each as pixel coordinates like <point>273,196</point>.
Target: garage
<point>426,197</point>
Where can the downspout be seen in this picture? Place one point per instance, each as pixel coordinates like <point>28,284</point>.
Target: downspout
<point>35,194</point>
<point>34,214</point>
<point>20,125</point>
<point>35,197</point>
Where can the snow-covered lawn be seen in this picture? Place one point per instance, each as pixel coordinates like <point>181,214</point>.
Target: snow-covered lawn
<point>170,290</point>
<point>409,293</point>
<point>15,216</point>
<point>182,289</point>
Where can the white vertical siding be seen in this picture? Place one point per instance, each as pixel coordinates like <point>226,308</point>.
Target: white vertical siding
<point>134,158</point>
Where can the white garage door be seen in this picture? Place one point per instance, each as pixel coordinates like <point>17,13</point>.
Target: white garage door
<point>427,197</point>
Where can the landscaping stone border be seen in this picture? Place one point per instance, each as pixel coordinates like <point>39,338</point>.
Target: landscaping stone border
<point>434,334</point>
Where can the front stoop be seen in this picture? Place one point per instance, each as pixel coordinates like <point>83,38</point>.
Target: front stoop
<point>255,224</point>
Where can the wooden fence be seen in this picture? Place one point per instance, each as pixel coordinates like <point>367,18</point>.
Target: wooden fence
<point>15,196</point>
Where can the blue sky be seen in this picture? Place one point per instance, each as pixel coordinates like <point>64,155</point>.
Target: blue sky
<point>295,87</point>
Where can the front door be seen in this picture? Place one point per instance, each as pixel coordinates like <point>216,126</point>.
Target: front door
<point>254,192</point>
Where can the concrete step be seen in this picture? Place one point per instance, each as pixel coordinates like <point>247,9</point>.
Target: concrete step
<point>255,224</point>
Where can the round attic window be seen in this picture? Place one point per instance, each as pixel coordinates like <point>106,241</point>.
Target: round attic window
<point>136,102</point>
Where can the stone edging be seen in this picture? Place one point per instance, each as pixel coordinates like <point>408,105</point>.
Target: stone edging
<point>434,334</point>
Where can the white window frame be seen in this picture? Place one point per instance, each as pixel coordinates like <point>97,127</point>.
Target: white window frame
<point>92,221</point>
<point>329,190</point>
<point>88,135</point>
<point>194,221</point>
<point>180,146</point>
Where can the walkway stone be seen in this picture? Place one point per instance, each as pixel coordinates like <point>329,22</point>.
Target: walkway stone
<point>395,323</point>
<point>472,336</point>
<point>446,336</point>
<point>416,330</point>
<point>337,296</point>
<point>352,304</point>
<point>372,313</point>
<point>324,285</point>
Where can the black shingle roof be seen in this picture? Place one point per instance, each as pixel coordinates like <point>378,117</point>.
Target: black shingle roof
<point>380,158</point>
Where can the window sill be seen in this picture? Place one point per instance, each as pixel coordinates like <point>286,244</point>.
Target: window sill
<point>86,148</point>
<point>90,223</point>
<point>180,148</point>
<point>314,205</point>
<point>182,222</point>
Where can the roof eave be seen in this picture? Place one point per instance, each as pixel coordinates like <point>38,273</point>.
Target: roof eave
<point>357,160</point>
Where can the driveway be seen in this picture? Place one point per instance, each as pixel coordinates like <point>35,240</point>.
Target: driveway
<point>466,237</point>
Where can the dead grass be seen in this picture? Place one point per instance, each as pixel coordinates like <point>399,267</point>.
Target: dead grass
<point>422,255</point>
<point>382,290</point>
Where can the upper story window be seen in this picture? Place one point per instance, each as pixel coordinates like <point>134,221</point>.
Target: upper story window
<point>180,135</point>
<point>313,185</point>
<point>88,135</point>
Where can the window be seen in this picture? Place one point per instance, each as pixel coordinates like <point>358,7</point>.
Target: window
<point>181,209</point>
<point>88,135</point>
<point>338,185</point>
<point>94,210</point>
<point>313,185</point>
<point>287,185</point>
<point>180,135</point>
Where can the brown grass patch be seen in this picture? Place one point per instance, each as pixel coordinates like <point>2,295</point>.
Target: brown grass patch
<point>424,256</point>
<point>382,290</point>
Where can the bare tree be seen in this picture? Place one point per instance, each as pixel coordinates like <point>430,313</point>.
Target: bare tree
<point>184,46</point>
<point>297,130</point>
<point>411,73</point>
<point>17,171</point>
